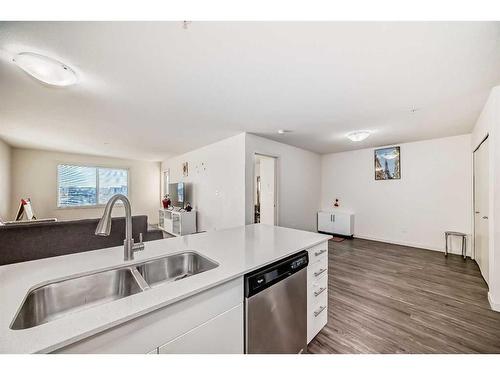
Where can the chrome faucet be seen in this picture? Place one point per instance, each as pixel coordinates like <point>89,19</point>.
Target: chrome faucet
<point>104,226</point>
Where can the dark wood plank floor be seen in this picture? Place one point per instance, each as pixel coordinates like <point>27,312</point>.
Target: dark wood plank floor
<point>386,298</point>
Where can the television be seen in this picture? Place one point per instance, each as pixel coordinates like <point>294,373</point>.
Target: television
<point>179,194</point>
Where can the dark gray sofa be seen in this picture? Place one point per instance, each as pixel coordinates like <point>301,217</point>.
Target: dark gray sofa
<point>23,242</point>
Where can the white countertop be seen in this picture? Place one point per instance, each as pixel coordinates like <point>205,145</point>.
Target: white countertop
<point>237,250</point>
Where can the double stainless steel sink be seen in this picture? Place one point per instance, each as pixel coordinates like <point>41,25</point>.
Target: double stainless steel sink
<point>57,299</point>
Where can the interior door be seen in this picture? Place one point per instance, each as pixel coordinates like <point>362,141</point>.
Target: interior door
<point>481,207</point>
<point>267,190</point>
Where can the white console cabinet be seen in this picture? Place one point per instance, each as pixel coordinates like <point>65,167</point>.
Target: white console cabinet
<point>336,222</point>
<point>178,223</point>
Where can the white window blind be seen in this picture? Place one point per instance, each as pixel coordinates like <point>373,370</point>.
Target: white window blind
<point>83,186</point>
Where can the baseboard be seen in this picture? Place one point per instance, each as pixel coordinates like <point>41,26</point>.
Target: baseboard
<point>409,244</point>
<point>337,235</point>
<point>493,304</point>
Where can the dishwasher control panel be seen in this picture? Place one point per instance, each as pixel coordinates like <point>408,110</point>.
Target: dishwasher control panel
<point>275,272</point>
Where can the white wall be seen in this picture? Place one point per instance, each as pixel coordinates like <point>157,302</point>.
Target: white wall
<point>217,176</point>
<point>5,179</point>
<point>489,124</point>
<point>34,175</point>
<point>432,196</point>
<point>299,174</point>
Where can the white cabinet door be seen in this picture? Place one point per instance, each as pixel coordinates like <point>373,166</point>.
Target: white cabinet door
<point>220,335</point>
<point>325,222</point>
<point>149,331</point>
<point>342,224</point>
<point>481,207</point>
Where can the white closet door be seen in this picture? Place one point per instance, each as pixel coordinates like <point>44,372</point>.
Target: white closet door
<point>267,190</point>
<point>481,207</point>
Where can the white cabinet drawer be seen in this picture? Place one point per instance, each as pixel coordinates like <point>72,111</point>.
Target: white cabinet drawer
<point>318,252</point>
<point>316,271</point>
<point>318,289</point>
<point>318,317</point>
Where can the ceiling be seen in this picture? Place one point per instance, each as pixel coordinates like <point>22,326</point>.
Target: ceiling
<point>149,90</point>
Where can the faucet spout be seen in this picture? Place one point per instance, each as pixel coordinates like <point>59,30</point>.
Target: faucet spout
<point>104,226</point>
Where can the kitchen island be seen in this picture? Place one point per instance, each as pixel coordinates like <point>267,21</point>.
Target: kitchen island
<point>178,316</point>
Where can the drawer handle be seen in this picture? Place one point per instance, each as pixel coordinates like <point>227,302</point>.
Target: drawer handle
<point>319,272</point>
<point>318,253</point>
<point>318,292</point>
<point>319,311</point>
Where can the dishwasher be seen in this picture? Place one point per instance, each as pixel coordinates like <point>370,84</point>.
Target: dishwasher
<point>276,307</point>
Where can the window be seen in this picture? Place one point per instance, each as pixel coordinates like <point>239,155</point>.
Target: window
<point>89,186</point>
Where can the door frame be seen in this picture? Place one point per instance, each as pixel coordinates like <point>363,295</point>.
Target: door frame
<point>276,181</point>
<point>165,181</point>
<point>473,249</point>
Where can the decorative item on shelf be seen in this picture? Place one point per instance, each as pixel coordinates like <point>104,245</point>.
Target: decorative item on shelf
<point>388,163</point>
<point>166,201</point>
<point>185,169</point>
<point>25,210</point>
<point>188,207</point>
<point>336,204</point>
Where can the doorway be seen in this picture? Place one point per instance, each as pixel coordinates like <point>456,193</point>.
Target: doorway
<point>481,208</point>
<point>265,183</point>
<point>166,182</point>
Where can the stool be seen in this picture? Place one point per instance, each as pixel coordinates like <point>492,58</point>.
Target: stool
<point>464,242</point>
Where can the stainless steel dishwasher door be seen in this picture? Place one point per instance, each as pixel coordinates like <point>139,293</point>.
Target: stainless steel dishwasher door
<point>276,318</point>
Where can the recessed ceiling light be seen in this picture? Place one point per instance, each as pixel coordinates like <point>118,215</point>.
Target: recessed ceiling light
<point>358,136</point>
<point>45,69</point>
<point>283,131</point>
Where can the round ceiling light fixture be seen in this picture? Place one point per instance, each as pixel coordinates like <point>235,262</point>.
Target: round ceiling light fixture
<point>284,131</point>
<point>358,135</point>
<point>46,69</point>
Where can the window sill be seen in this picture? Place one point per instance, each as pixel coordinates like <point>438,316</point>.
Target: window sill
<point>118,204</point>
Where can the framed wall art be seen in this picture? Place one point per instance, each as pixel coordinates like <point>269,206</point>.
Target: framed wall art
<point>388,163</point>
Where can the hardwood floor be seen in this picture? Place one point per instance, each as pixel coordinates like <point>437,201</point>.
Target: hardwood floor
<point>386,298</point>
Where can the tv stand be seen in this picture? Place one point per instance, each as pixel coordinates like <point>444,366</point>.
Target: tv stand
<point>177,223</point>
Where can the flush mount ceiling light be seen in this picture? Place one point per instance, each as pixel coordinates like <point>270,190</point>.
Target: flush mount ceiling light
<point>46,69</point>
<point>358,136</point>
<point>284,131</point>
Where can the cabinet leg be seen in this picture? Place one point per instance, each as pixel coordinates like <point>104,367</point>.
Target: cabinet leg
<point>464,247</point>
<point>446,245</point>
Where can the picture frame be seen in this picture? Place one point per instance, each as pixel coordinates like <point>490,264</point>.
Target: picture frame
<point>387,163</point>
